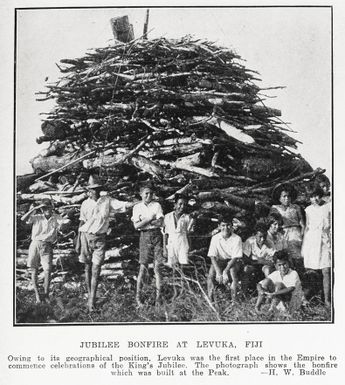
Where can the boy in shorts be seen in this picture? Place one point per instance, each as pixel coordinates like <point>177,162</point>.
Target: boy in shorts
<point>225,252</point>
<point>283,286</point>
<point>43,236</point>
<point>148,218</point>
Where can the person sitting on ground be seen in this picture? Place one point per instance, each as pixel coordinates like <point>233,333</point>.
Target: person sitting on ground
<point>177,225</point>
<point>257,257</point>
<point>148,218</point>
<point>225,252</point>
<point>283,286</point>
<point>44,235</point>
<point>94,225</point>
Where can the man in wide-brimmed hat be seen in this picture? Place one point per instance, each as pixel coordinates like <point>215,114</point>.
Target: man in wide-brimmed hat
<point>94,225</point>
<point>44,234</point>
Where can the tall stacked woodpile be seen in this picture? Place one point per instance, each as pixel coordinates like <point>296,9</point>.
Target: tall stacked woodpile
<point>185,114</point>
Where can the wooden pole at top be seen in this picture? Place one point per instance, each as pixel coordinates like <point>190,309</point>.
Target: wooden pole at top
<point>146,24</point>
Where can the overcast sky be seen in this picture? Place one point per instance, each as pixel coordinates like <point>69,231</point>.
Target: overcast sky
<point>288,46</point>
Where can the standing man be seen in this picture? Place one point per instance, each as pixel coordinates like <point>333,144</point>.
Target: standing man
<point>94,225</point>
<point>44,235</point>
<point>148,219</point>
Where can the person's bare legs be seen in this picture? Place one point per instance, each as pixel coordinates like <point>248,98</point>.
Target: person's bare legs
<point>96,269</point>
<point>141,275</point>
<point>157,272</point>
<point>210,283</point>
<point>234,283</point>
<point>276,299</point>
<point>88,277</point>
<point>247,272</point>
<point>262,289</point>
<point>34,280</point>
<point>46,283</point>
<point>326,274</point>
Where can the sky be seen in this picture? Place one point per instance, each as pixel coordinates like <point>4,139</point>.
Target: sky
<point>289,47</point>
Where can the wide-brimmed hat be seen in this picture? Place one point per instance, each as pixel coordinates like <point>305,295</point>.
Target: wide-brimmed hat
<point>47,203</point>
<point>93,182</point>
<point>276,193</point>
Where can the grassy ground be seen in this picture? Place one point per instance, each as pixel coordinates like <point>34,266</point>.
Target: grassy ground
<point>184,301</point>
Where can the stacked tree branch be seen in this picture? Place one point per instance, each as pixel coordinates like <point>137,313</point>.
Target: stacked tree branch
<point>185,114</point>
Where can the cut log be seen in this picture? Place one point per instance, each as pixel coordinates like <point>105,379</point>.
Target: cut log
<point>148,166</point>
<point>55,198</point>
<point>122,30</point>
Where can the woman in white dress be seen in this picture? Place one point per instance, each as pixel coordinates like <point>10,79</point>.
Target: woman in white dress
<point>316,247</point>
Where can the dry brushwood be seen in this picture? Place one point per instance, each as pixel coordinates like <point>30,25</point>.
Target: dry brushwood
<point>185,114</point>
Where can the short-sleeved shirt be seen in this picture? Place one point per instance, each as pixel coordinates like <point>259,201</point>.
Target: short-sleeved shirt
<point>225,248</point>
<point>44,229</point>
<point>142,210</point>
<point>291,279</point>
<point>179,226</point>
<point>96,214</point>
<point>252,250</point>
<point>86,209</point>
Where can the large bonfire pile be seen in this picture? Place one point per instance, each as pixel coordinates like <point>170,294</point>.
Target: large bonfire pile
<point>185,114</point>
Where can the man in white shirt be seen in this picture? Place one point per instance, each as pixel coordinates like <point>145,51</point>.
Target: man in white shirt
<point>94,225</point>
<point>225,252</point>
<point>148,219</point>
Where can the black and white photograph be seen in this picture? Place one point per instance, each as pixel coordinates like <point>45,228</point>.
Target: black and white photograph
<point>173,165</point>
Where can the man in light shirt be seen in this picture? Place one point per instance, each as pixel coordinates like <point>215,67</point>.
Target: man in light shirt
<point>225,252</point>
<point>94,225</point>
<point>43,236</point>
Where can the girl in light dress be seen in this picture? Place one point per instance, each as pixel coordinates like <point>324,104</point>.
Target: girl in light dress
<point>293,222</point>
<point>316,248</point>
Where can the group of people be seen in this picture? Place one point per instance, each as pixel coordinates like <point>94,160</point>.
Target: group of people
<point>282,248</point>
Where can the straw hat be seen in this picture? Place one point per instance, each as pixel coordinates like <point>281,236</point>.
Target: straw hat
<point>284,187</point>
<point>93,182</point>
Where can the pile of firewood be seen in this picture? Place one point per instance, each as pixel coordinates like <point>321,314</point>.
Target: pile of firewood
<point>185,114</point>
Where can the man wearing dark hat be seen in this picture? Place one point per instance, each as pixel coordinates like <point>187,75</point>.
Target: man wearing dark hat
<point>94,225</point>
<point>44,234</point>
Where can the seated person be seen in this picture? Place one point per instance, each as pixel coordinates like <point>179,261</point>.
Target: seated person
<point>283,286</point>
<point>275,239</point>
<point>258,257</point>
<point>225,252</point>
